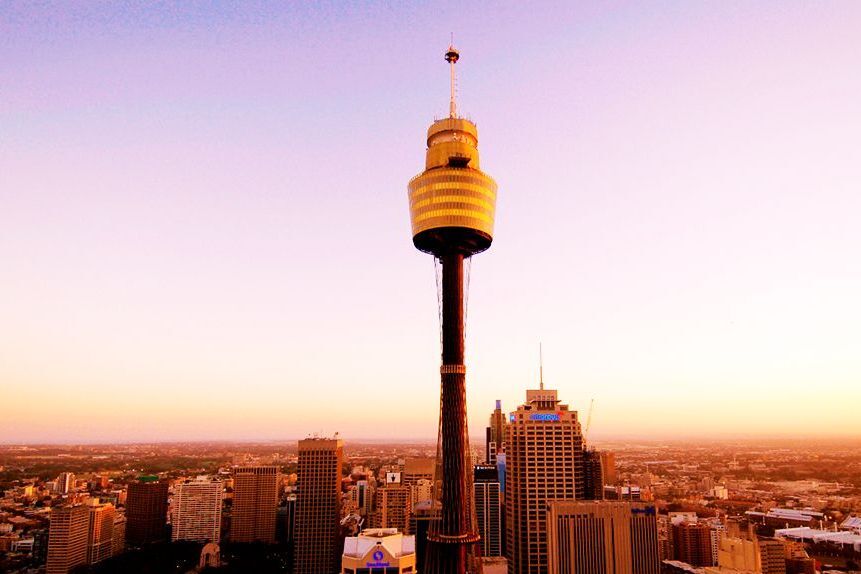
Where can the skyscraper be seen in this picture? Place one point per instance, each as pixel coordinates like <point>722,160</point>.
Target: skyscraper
<point>196,510</point>
<point>67,539</point>
<point>495,434</point>
<point>146,511</point>
<point>608,466</point>
<point>488,509</point>
<point>392,508</point>
<point>285,521</point>
<point>593,476</point>
<point>65,482</point>
<point>255,498</point>
<point>602,538</point>
<point>692,543</point>
<point>452,207</point>
<point>100,537</point>
<point>317,506</point>
<point>544,461</point>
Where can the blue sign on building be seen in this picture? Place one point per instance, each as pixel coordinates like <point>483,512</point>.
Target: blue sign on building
<point>544,417</point>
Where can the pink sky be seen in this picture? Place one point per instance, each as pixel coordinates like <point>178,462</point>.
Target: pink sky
<point>204,228</point>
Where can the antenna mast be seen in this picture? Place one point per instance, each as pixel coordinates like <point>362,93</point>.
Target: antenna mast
<point>540,366</point>
<point>452,56</point>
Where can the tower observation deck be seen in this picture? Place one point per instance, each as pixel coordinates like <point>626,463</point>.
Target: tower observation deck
<point>452,208</point>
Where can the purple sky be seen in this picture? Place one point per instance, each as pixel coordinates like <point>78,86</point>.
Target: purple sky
<point>204,229</point>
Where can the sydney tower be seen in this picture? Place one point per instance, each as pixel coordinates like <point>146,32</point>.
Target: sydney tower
<point>452,205</point>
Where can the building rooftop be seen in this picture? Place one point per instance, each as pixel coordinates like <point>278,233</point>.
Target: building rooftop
<point>395,543</point>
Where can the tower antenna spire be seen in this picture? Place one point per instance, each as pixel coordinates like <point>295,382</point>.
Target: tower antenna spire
<point>452,56</point>
<point>541,366</point>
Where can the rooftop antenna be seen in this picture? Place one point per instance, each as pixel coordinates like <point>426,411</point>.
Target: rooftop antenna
<point>540,366</point>
<point>452,56</point>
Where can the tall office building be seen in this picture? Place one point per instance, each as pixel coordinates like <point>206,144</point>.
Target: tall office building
<point>118,538</point>
<point>146,511</point>
<point>488,509</point>
<point>602,538</point>
<point>608,466</point>
<point>593,475</point>
<point>416,468</point>
<point>692,543</point>
<point>255,498</point>
<point>67,539</point>
<point>318,505</point>
<point>495,434</point>
<point>544,461</point>
<point>392,508</point>
<point>65,482</point>
<point>100,537</point>
<point>196,510</point>
<point>285,521</point>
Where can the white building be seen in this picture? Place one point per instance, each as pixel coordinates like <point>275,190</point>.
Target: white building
<point>379,550</point>
<point>196,510</point>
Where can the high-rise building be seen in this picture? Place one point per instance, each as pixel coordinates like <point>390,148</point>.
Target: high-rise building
<point>382,550</point>
<point>285,521</point>
<point>65,482</point>
<point>118,537</point>
<point>317,506</point>
<point>544,461</point>
<point>692,543</point>
<point>146,511</point>
<point>255,498</point>
<point>196,510</point>
<point>392,508</point>
<point>495,434</point>
<point>488,509</point>
<point>67,539</point>
<point>424,513</point>
<point>452,207</point>
<point>608,466</point>
<point>593,475</point>
<point>416,468</point>
<point>100,537</point>
<point>602,537</point>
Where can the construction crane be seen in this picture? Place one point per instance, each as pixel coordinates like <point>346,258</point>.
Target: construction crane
<point>588,420</point>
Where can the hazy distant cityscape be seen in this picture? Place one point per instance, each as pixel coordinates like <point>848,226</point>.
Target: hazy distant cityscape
<point>762,506</point>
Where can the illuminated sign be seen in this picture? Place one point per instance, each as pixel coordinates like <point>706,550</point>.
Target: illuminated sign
<point>648,511</point>
<point>377,557</point>
<point>544,417</point>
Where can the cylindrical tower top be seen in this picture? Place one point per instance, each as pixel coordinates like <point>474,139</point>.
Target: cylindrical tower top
<point>452,202</point>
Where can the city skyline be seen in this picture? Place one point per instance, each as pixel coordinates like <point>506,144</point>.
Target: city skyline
<point>177,187</point>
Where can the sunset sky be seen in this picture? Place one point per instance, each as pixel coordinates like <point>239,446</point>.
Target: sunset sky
<point>204,230</point>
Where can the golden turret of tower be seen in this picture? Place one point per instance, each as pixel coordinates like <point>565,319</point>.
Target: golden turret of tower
<point>452,202</point>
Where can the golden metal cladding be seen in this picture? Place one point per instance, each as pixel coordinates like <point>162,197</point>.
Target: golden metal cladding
<point>452,191</point>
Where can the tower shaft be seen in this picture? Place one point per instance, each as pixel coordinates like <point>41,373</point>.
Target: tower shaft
<point>451,540</point>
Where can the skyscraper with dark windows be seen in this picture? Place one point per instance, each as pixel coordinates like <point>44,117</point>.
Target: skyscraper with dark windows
<point>255,498</point>
<point>593,475</point>
<point>146,511</point>
<point>544,462</point>
<point>495,436</point>
<point>317,506</point>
